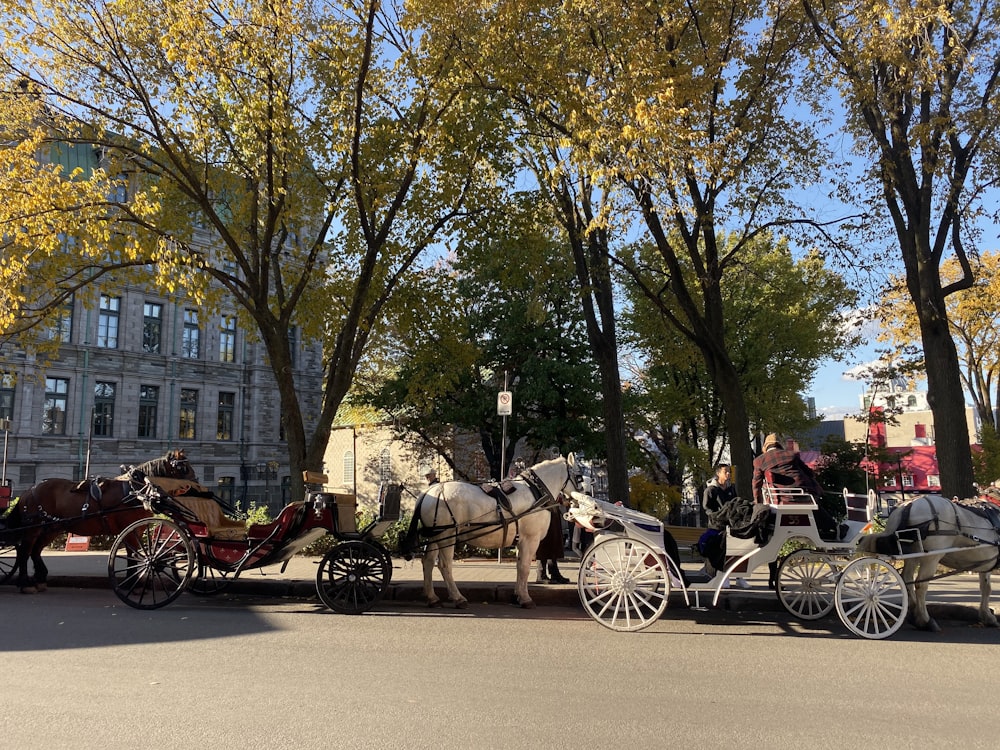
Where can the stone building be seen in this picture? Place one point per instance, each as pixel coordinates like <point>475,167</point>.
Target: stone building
<point>138,374</point>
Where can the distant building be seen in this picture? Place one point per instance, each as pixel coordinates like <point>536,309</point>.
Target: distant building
<point>904,440</point>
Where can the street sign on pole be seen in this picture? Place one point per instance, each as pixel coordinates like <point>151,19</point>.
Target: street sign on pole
<point>505,404</point>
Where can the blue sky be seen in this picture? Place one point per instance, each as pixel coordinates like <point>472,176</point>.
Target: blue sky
<point>836,394</point>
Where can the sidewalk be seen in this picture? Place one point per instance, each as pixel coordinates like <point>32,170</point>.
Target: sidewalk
<point>486,580</point>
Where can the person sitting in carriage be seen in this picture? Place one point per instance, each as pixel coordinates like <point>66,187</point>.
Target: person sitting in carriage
<point>783,467</point>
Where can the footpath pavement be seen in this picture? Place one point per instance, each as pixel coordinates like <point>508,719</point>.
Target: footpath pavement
<point>487,580</point>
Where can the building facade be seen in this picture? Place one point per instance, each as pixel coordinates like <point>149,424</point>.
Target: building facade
<point>138,374</point>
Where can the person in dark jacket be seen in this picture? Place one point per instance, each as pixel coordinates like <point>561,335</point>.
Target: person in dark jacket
<point>551,548</point>
<point>719,491</point>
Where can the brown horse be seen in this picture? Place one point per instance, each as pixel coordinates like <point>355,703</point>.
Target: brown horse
<point>94,506</point>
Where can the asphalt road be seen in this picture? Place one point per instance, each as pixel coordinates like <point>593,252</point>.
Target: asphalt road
<point>82,670</point>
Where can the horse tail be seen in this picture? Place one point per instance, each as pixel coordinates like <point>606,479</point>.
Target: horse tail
<point>408,543</point>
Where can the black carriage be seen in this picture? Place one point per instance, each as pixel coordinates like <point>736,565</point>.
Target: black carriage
<point>190,544</point>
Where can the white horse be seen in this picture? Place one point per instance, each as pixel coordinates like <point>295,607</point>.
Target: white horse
<point>947,526</point>
<point>452,512</point>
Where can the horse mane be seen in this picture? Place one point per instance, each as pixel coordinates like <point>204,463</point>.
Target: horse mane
<point>173,464</point>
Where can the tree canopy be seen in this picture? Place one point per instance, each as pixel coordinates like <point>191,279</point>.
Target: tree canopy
<point>920,84</point>
<point>782,318</point>
<point>300,157</point>
<point>503,311</point>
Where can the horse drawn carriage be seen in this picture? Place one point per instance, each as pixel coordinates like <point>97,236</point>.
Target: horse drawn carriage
<point>172,541</point>
<point>626,576</point>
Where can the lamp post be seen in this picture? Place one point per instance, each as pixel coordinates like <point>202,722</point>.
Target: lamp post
<point>5,426</point>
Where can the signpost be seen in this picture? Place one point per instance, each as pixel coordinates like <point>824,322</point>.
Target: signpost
<point>505,407</point>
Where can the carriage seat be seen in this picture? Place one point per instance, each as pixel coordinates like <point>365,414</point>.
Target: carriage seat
<point>210,514</point>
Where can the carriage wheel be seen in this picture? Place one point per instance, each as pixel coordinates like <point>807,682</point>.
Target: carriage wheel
<point>151,562</point>
<point>209,580</point>
<point>807,581</point>
<point>623,584</point>
<point>353,576</point>
<point>871,598</point>
<point>8,559</point>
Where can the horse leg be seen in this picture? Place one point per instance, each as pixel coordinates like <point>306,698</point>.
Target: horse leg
<point>41,570</point>
<point>922,619</point>
<point>445,559</point>
<point>25,548</point>
<point>429,559</point>
<point>525,552</point>
<point>986,616</point>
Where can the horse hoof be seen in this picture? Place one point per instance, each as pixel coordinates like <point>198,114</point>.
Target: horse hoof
<point>462,604</point>
<point>527,604</point>
<point>29,589</point>
<point>41,587</point>
<point>435,604</point>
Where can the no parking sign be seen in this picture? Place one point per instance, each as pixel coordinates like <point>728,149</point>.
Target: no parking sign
<point>505,404</point>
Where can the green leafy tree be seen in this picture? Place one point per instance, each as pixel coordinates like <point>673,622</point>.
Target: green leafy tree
<point>783,317</point>
<point>507,309</point>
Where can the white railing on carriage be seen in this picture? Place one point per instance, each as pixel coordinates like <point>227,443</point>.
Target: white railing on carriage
<point>861,507</point>
<point>778,495</point>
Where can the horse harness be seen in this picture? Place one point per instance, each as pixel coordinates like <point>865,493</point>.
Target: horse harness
<point>933,527</point>
<point>93,488</point>
<point>500,492</point>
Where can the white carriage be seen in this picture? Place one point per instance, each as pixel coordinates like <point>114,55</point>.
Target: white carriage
<point>626,576</point>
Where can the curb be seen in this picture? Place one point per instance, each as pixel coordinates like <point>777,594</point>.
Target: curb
<point>503,593</point>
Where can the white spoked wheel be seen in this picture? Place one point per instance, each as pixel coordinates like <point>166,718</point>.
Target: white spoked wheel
<point>623,584</point>
<point>807,580</point>
<point>871,598</point>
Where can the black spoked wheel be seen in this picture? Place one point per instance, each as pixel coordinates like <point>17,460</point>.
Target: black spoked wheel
<point>353,576</point>
<point>151,562</point>
<point>8,559</point>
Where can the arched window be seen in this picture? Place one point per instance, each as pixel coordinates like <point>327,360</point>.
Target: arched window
<point>349,467</point>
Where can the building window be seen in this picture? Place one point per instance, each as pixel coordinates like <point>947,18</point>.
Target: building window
<point>60,327</point>
<point>189,410</point>
<point>6,395</point>
<point>907,480</point>
<point>149,398</point>
<point>227,402</point>
<point>227,338</point>
<point>225,490</point>
<point>349,467</point>
<point>191,338</point>
<point>104,409</point>
<point>890,480</point>
<point>933,480</point>
<point>385,466</point>
<point>293,345</point>
<point>152,327</point>
<point>54,412</point>
<point>107,322</point>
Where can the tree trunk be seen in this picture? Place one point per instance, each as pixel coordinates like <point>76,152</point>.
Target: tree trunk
<point>727,383</point>
<point>946,399</point>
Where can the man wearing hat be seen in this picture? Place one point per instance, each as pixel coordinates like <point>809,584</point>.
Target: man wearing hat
<point>785,468</point>
<point>431,477</point>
